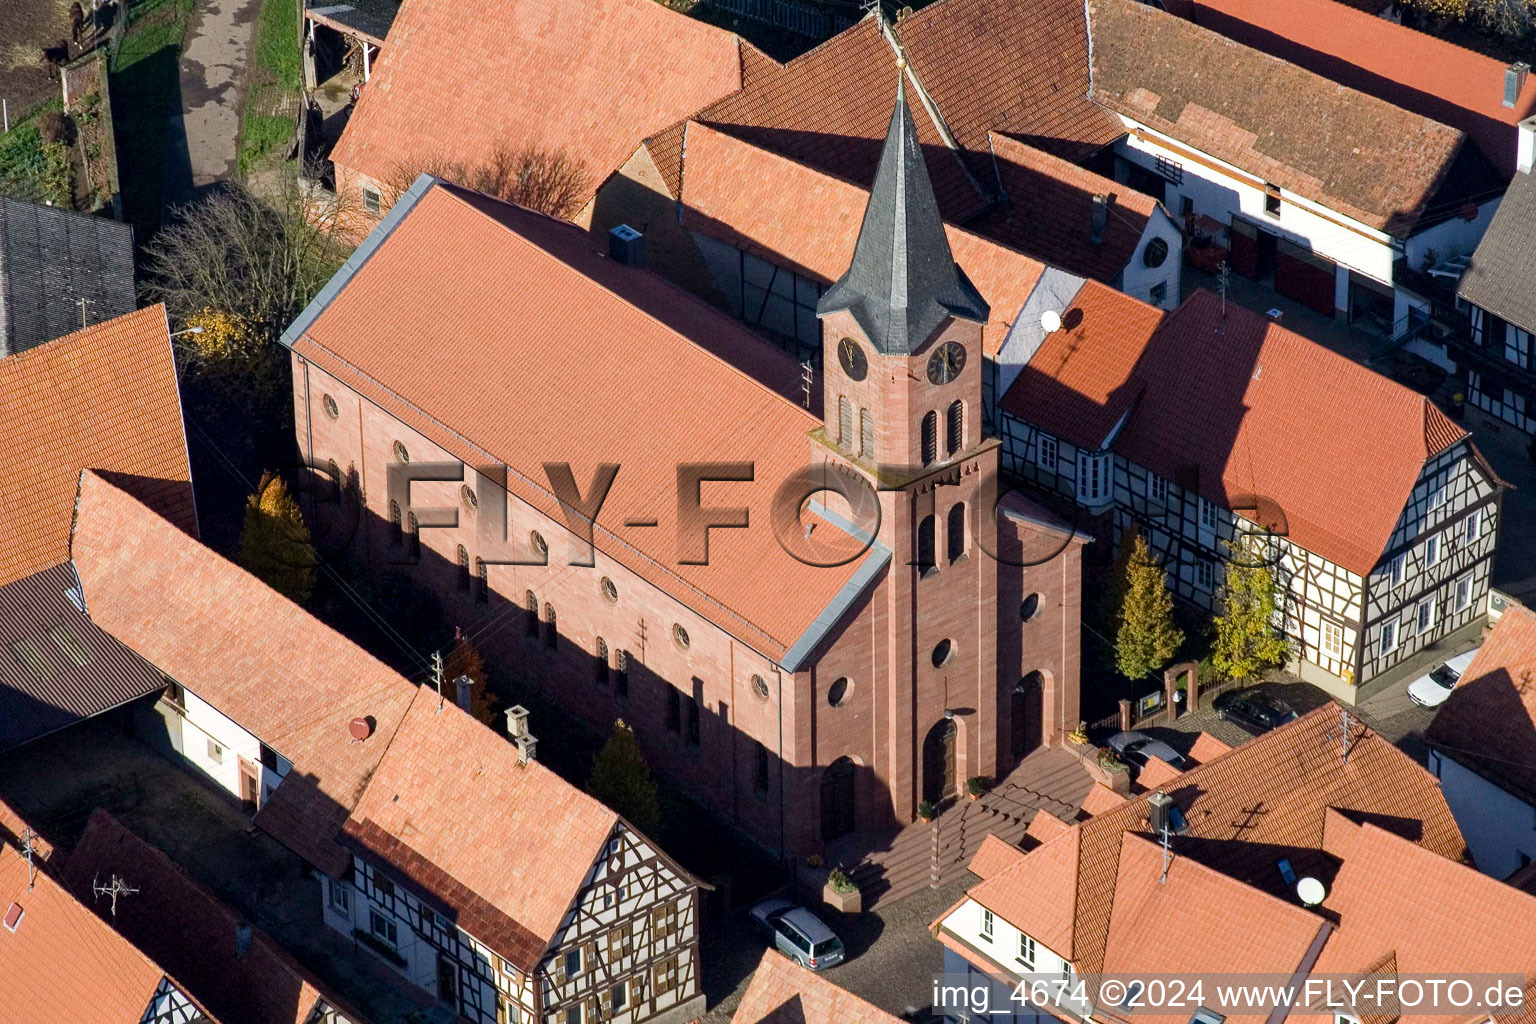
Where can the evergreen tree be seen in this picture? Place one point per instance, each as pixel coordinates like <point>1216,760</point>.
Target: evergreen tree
<point>1246,640</point>
<point>1147,638</point>
<point>464,660</point>
<point>275,546</point>
<point>622,780</point>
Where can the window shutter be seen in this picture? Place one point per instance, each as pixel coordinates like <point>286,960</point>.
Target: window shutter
<point>844,421</point>
<point>956,426</point>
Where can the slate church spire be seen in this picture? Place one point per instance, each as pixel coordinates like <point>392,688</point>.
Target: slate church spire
<point>903,281</point>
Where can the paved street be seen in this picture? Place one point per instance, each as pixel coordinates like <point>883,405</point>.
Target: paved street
<point>203,135</point>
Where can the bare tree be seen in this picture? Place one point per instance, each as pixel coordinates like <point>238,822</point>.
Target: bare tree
<point>545,180</point>
<point>260,256</point>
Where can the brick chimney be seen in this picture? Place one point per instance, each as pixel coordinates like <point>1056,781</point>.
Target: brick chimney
<point>1100,218</point>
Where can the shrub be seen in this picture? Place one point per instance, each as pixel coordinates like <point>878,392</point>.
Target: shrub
<point>840,882</point>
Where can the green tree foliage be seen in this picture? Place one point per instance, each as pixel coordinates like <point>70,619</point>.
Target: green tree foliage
<point>276,546</point>
<point>621,778</point>
<point>1147,638</point>
<point>1246,641</point>
<point>464,660</point>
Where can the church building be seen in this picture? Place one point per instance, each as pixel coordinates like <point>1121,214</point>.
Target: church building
<point>807,592</point>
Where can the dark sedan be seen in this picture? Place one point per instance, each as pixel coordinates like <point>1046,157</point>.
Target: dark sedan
<point>1254,710</point>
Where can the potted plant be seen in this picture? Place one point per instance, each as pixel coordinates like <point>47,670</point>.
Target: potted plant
<point>925,811</point>
<point>974,787</point>
<point>1110,761</point>
<point>1078,736</point>
<point>841,893</point>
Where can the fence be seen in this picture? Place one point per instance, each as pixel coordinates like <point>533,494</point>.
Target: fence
<point>797,16</point>
<point>1146,713</point>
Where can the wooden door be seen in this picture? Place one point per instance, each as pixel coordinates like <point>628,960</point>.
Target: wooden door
<point>939,762</point>
<point>837,809</point>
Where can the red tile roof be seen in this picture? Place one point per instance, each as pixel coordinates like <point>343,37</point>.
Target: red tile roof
<point>1414,70</point>
<point>1273,794</point>
<point>1263,394</point>
<point>1489,722</point>
<point>994,854</point>
<point>984,68</point>
<point>590,80</point>
<point>782,992</point>
<point>1049,212</point>
<point>1196,921</point>
<point>794,215</point>
<point>1431,916</point>
<point>102,398</point>
<point>239,645</point>
<point>503,846</point>
<point>191,933</point>
<point>593,355</point>
<point>62,962</point>
<point>1349,151</point>
<point>1206,747</point>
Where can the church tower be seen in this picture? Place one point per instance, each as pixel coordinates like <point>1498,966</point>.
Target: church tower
<point>902,357</point>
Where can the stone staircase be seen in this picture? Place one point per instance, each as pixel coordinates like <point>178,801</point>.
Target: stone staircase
<point>890,866</point>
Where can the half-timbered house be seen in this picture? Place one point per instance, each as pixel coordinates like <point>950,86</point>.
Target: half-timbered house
<point>511,896</point>
<point>1212,429</point>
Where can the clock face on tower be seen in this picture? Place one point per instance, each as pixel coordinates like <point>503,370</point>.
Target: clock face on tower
<point>946,362</point>
<point>851,356</point>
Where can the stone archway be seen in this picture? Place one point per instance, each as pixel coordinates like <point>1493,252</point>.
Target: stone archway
<point>939,771</point>
<point>837,799</point>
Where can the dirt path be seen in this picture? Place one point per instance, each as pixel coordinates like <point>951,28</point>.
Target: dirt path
<point>203,135</point>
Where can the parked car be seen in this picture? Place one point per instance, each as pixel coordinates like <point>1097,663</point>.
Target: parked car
<point>1254,710</point>
<point>1431,689</point>
<point>799,934</point>
<point>1135,748</point>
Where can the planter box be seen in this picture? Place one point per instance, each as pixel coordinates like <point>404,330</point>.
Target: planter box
<point>843,902</point>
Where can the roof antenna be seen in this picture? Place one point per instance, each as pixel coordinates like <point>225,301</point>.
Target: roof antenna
<point>1224,272</point>
<point>437,676</point>
<point>1167,854</point>
<point>807,375</point>
<point>116,889</point>
<point>1344,736</point>
<point>27,839</point>
<point>83,304</point>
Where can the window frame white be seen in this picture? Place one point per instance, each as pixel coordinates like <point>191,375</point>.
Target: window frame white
<point>988,924</point>
<point>1029,958</point>
<point>376,918</point>
<point>1432,603</point>
<point>1432,550</point>
<point>1461,598</point>
<point>1157,488</point>
<point>1397,569</point>
<point>1389,629</point>
<point>1047,452</point>
<point>1332,639</point>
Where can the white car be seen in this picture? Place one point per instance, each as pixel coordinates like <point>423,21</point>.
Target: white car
<point>1432,689</point>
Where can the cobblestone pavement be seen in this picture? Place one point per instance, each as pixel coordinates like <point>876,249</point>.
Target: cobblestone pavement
<point>895,973</point>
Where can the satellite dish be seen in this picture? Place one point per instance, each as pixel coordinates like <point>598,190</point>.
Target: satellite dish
<point>1311,891</point>
<point>1050,321</point>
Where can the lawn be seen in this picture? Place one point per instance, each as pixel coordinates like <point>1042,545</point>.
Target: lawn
<point>275,77</point>
<point>31,169</point>
<point>144,88</point>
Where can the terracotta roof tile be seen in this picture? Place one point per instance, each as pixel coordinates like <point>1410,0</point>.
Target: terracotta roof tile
<point>782,992</point>
<point>1156,773</point>
<point>473,281</point>
<point>102,398</point>
<point>1412,69</point>
<point>994,854</point>
<point>985,70</point>
<point>1355,154</point>
<point>505,847</point>
<point>1100,799</point>
<point>1432,915</point>
<point>1272,794</point>
<point>237,644</point>
<point>63,963</point>
<point>1264,393</point>
<point>1489,722</point>
<point>188,931</point>
<point>1049,212</point>
<point>1198,922</point>
<point>590,80</point>
<point>1206,747</point>
<point>792,214</point>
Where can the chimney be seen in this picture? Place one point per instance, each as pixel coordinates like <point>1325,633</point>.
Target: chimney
<point>517,721</point>
<point>1100,218</point>
<point>1514,81</point>
<point>1157,812</point>
<point>527,748</point>
<point>1525,151</point>
<point>624,245</point>
<point>466,692</point>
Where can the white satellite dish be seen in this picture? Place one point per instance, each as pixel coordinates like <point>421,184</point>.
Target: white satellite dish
<point>1311,891</point>
<point>1050,321</point>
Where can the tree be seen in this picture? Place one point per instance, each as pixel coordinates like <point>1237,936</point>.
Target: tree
<point>257,256</point>
<point>1147,638</point>
<point>545,180</point>
<point>1246,641</point>
<point>621,778</point>
<point>464,660</point>
<point>275,546</point>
